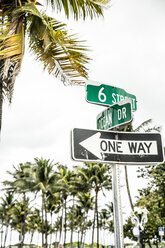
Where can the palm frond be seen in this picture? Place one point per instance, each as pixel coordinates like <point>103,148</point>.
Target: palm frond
<point>79,8</point>
<point>143,125</point>
<point>146,128</point>
<point>11,52</point>
<point>61,54</point>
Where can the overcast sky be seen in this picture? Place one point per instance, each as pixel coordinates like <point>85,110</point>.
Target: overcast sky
<point>128,51</point>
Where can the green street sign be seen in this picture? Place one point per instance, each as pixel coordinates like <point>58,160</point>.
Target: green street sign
<point>105,94</point>
<point>115,116</point>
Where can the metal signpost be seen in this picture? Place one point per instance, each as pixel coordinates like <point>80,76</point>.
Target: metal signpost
<point>118,115</point>
<point>105,94</point>
<point>116,147</point>
<point>117,207</point>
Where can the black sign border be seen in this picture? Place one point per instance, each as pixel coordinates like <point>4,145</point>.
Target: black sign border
<point>81,154</point>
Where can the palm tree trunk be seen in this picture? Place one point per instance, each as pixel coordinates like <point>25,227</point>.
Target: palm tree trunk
<point>93,230</point>
<point>2,225</point>
<point>128,189</point>
<point>10,236</point>
<point>61,227</point>
<point>78,238</point>
<point>72,225</point>
<point>97,218</point>
<point>42,228</point>
<point>81,239</point>
<point>24,218</point>
<point>31,239</point>
<point>51,228</point>
<point>6,233</point>
<point>65,225</point>
<point>46,222</point>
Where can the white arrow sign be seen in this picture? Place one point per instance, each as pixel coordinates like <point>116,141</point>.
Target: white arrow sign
<point>121,147</point>
<point>99,146</point>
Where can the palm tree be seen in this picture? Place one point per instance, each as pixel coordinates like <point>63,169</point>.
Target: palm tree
<point>61,54</point>
<point>53,207</point>
<point>67,185</point>
<point>18,218</point>
<point>44,179</point>
<point>7,205</point>
<point>104,219</point>
<point>85,202</point>
<point>98,176</point>
<point>34,222</point>
<point>22,183</point>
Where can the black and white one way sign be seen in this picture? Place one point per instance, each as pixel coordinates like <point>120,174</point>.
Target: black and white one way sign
<point>113,147</point>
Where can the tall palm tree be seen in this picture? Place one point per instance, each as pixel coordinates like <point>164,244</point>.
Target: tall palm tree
<point>61,54</point>
<point>18,218</point>
<point>85,202</point>
<point>98,176</point>
<point>53,207</point>
<point>21,184</point>
<point>7,205</point>
<point>44,179</point>
<point>67,185</point>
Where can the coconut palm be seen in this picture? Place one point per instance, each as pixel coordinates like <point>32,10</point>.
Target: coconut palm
<point>21,183</point>
<point>18,218</point>
<point>61,54</point>
<point>7,205</point>
<point>34,222</point>
<point>53,207</point>
<point>44,179</point>
<point>85,202</point>
<point>97,175</point>
<point>67,185</point>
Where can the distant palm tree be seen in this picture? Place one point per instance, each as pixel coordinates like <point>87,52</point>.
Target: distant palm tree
<point>98,177</point>
<point>34,222</point>
<point>61,53</point>
<point>7,205</point>
<point>85,202</point>
<point>44,178</point>
<point>21,184</point>
<point>19,217</point>
<point>67,185</point>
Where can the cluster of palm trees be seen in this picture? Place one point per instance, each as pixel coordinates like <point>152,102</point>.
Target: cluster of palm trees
<point>53,202</point>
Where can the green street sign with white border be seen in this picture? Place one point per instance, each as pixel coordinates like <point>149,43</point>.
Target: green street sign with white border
<point>118,115</point>
<point>108,95</point>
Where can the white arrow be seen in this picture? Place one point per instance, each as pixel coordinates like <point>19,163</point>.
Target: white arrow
<point>92,144</point>
<point>99,146</point>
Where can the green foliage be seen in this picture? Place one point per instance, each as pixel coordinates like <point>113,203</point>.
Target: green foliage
<point>153,199</point>
<point>67,196</point>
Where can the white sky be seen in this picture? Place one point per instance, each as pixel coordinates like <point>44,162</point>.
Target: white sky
<point>128,50</point>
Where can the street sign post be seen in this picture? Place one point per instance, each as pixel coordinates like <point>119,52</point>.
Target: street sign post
<point>105,94</point>
<point>116,147</point>
<point>115,116</point>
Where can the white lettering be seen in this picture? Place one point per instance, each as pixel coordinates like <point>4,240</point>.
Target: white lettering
<point>133,103</point>
<point>124,112</point>
<point>119,114</point>
<point>114,99</point>
<point>129,147</point>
